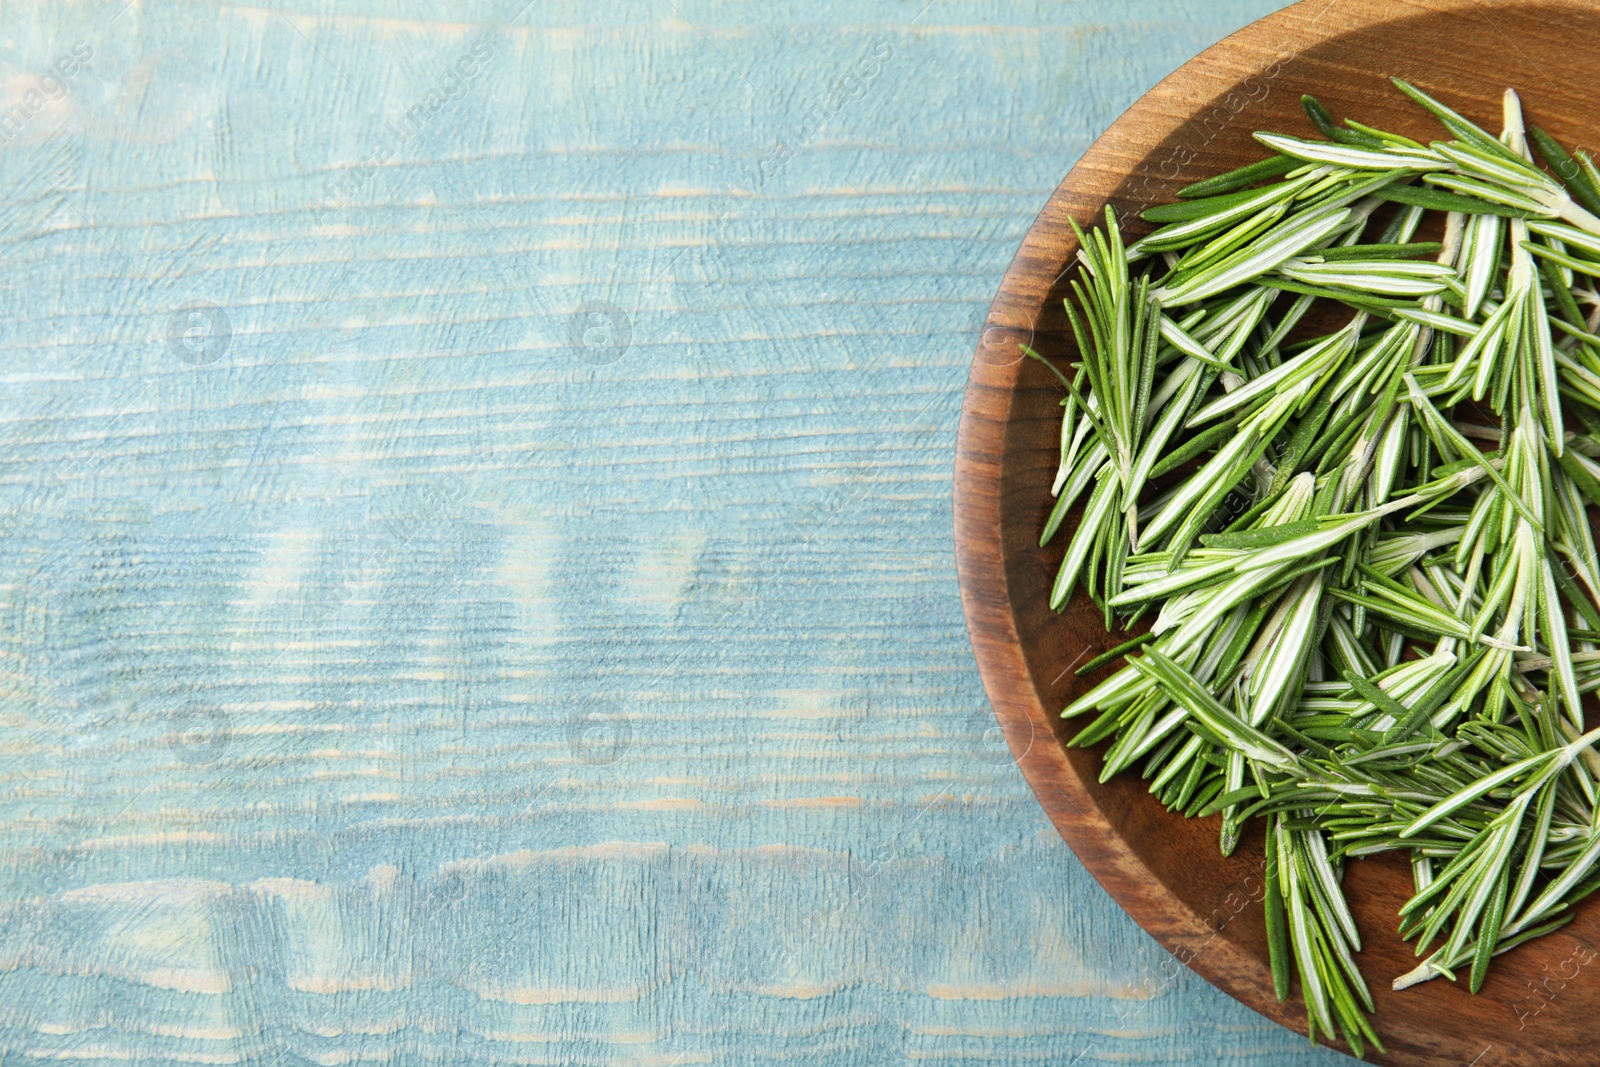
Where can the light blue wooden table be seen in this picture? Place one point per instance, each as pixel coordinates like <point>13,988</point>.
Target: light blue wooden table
<point>476,583</point>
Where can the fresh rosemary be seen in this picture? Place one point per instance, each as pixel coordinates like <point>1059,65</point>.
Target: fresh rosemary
<point>1376,594</point>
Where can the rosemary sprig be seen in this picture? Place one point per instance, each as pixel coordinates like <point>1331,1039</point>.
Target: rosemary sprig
<point>1375,591</point>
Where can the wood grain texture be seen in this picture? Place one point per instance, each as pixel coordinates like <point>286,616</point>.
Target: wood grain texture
<point>1536,1008</point>
<point>431,677</point>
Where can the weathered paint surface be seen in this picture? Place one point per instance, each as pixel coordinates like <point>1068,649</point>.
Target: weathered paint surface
<point>476,581</point>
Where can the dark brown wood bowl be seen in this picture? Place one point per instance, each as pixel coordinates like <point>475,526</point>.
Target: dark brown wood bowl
<point>1541,1002</point>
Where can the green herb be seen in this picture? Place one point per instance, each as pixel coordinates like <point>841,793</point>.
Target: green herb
<point>1376,592</point>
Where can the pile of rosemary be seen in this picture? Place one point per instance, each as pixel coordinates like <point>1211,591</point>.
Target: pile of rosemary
<point>1367,552</point>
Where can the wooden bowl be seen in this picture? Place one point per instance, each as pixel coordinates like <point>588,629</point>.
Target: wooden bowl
<point>1539,1004</point>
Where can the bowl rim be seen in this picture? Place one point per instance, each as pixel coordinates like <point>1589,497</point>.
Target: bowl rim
<point>1095,179</point>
